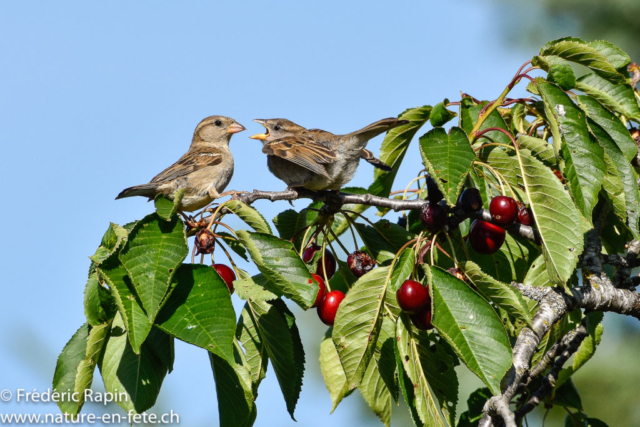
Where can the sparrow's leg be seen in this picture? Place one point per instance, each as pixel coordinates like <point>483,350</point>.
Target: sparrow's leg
<point>233,193</point>
<point>213,193</point>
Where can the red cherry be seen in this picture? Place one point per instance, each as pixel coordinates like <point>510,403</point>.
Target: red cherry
<point>329,307</point>
<point>227,275</point>
<point>524,214</point>
<point>422,319</point>
<point>558,174</point>
<point>412,296</point>
<point>486,238</point>
<point>504,210</point>
<point>329,260</point>
<point>433,217</point>
<point>360,263</point>
<point>321,292</point>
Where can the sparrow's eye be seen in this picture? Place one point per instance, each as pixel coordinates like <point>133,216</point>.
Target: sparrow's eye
<point>218,123</point>
<point>277,127</point>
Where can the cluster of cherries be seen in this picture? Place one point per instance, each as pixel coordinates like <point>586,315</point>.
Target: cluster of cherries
<point>327,303</point>
<point>485,237</point>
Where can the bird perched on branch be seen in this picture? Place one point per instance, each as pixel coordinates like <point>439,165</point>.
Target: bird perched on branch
<point>316,159</point>
<point>203,172</point>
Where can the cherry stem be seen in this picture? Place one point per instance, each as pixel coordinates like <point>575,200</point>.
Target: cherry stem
<point>335,237</point>
<point>482,132</point>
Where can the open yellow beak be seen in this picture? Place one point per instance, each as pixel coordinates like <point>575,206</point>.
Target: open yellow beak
<point>261,136</point>
<point>235,127</point>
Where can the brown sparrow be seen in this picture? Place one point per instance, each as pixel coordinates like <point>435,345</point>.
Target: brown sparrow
<point>203,171</point>
<point>317,159</point>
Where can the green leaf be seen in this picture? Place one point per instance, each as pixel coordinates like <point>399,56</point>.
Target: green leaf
<point>111,242</point>
<point>519,122</point>
<point>151,256</point>
<point>559,71</point>
<point>440,115</point>
<point>402,269</point>
<point>286,223</point>
<point>236,407</point>
<point>384,353</point>
<point>140,376</point>
<point>249,215</point>
<point>611,124</point>
<point>616,97</point>
<point>472,328</point>
<point>332,371</point>
<point>384,239</point>
<point>576,50</point>
<point>501,160</point>
<point>234,244</point>
<point>566,395</point>
<point>279,335</point>
<point>99,304</point>
<point>199,310</point>
<point>278,261</point>
<point>537,275</point>
<point>252,288</point>
<point>471,113</point>
<point>584,167</point>
<point>358,323</point>
<point>166,208</point>
<point>449,158</point>
<point>501,294</point>
<point>616,56</point>
<point>424,400</point>
<point>510,263</point>
<point>539,148</point>
<point>475,402</point>
<point>137,323</point>
<point>555,217</point>
<point>375,393</point>
<point>394,148</point>
<point>65,377</point>
<point>255,352</point>
<point>625,174</point>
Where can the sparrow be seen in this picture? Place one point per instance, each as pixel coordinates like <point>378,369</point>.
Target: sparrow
<point>203,171</point>
<point>279,128</point>
<point>316,159</point>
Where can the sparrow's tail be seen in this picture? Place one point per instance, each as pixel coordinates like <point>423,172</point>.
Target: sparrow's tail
<point>370,158</point>
<point>146,190</point>
<point>360,137</point>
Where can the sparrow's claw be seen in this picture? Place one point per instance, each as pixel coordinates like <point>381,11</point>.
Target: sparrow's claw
<point>235,195</point>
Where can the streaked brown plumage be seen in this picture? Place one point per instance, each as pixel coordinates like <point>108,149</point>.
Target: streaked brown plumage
<point>203,171</point>
<point>317,159</point>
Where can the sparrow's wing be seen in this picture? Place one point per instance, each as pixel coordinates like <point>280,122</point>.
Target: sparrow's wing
<point>192,161</point>
<point>359,138</point>
<point>302,150</point>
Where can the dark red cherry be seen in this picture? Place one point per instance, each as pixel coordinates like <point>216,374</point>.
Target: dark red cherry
<point>433,217</point>
<point>321,292</point>
<point>486,238</point>
<point>504,210</point>
<point>524,214</point>
<point>227,275</point>
<point>470,200</point>
<point>329,307</point>
<point>558,174</point>
<point>360,263</point>
<point>329,260</point>
<point>434,195</point>
<point>422,319</point>
<point>412,296</point>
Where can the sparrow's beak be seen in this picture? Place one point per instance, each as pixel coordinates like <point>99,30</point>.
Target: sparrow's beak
<point>235,127</point>
<point>260,136</point>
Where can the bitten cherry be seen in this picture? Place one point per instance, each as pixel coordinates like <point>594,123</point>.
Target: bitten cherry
<point>329,260</point>
<point>524,214</point>
<point>470,200</point>
<point>321,292</point>
<point>227,275</point>
<point>329,307</point>
<point>486,238</point>
<point>422,319</point>
<point>360,263</point>
<point>205,242</point>
<point>458,273</point>
<point>412,296</point>
<point>504,210</point>
<point>433,217</point>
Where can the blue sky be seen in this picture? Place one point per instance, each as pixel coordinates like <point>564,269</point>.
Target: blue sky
<point>98,97</point>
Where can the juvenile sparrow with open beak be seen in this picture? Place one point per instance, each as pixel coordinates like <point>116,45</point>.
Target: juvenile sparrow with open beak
<point>203,171</point>
<point>279,128</point>
<point>316,159</point>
